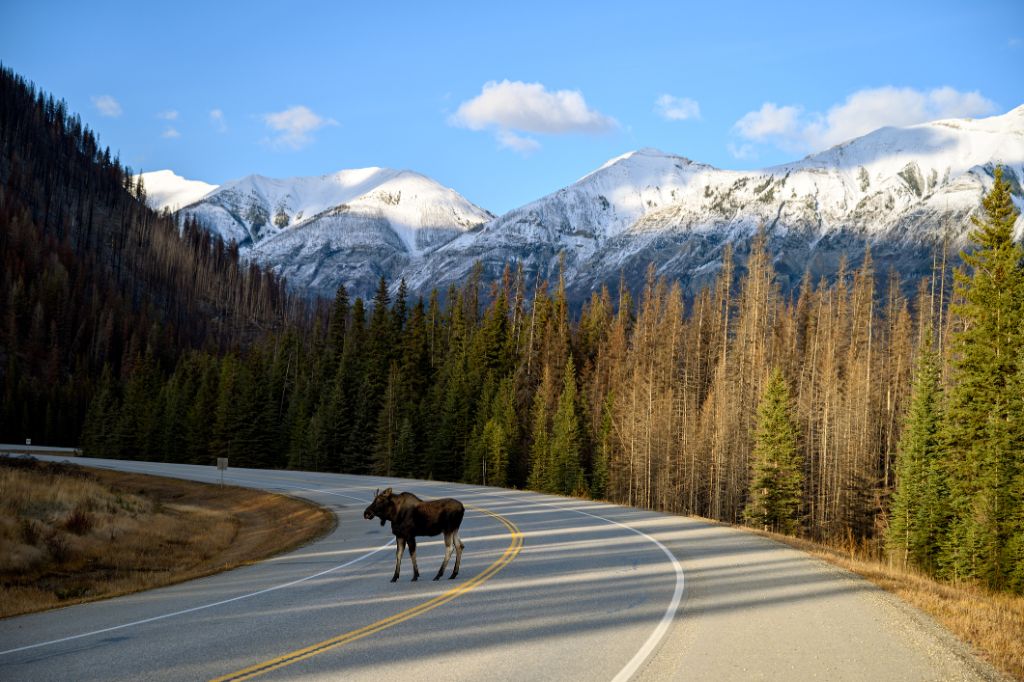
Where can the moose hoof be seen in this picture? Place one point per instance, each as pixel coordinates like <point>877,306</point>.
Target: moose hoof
<point>437,577</point>
<point>414,578</point>
<point>395,579</point>
<point>452,576</point>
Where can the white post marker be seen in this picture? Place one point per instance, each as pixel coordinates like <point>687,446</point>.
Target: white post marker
<point>222,464</point>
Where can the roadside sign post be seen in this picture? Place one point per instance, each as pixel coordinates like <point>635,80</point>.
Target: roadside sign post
<point>222,464</point>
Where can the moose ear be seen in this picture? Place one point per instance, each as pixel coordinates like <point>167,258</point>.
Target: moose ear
<point>387,493</point>
<point>377,493</point>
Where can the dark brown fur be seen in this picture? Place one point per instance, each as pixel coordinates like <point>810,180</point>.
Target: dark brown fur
<point>410,516</point>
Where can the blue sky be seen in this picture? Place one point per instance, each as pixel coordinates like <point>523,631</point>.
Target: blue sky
<point>505,102</point>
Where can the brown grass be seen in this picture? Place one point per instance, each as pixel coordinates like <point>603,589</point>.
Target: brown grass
<point>991,623</point>
<point>71,535</point>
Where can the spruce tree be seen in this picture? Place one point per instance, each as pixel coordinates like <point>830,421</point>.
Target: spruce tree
<point>983,426</point>
<point>541,469</point>
<point>776,483</point>
<point>916,518</point>
<point>567,438</point>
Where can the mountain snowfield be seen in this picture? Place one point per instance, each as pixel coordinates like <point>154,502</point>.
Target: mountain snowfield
<point>903,191</point>
<point>348,227</point>
<point>165,189</point>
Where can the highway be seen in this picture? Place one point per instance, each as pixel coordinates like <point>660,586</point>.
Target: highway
<point>550,588</point>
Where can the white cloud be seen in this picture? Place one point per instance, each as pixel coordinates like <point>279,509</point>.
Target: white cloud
<point>169,115</point>
<point>770,121</point>
<point>170,133</point>
<point>107,105</point>
<point>743,152</point>
<point>795,130</point>
<point>1014,43</point>
<point>217,118</point>
<point>529,107</point>
<point>295,126</point>
<point>520,143</point>
<point>676,108</point>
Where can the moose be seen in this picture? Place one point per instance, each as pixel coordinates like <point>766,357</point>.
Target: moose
<point>410,516</point>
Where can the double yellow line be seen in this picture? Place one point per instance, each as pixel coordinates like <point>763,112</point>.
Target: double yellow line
<point>373,628</point>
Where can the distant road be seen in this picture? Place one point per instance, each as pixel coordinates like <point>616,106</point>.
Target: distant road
<point>35,450</point>
<point>550,589</point>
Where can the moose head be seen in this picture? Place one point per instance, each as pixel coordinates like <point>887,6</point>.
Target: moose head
<point>381,507</point>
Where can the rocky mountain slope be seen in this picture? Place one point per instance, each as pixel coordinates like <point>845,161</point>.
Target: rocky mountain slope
<point>904,191</point>
<point>349,227</point>
<point>901,190</point>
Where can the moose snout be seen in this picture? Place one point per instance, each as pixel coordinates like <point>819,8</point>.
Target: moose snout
<point>367,514</point>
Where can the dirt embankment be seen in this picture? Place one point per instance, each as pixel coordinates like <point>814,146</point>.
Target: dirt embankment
<point>69,534</point>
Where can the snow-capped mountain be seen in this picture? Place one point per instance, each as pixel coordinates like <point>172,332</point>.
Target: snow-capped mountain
<point>164,189</point>
<point>347,227</point>
<point>903,191</point>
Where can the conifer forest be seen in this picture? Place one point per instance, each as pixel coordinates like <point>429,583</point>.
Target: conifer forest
<point>850,408</point>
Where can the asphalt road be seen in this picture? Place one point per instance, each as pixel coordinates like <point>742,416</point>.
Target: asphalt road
<point>550,589</point>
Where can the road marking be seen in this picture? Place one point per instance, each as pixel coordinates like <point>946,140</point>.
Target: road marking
<point>308,652</point>
<point>666,619</point>
<point>214,604</point>
<point>197,608</point>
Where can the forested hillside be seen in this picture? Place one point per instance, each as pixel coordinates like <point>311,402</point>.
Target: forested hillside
<point>94,283</point>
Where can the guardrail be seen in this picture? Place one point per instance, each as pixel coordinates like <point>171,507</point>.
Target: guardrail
<point>12,449</point>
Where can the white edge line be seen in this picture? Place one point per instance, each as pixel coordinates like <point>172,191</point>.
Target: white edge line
<point>666,619</point>
<point>208,606</point>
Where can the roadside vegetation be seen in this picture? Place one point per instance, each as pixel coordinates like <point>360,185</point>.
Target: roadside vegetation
<point>70,534</point>
<point>990,622</point>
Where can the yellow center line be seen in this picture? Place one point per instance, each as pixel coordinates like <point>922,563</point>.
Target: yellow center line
<point>373,628</point>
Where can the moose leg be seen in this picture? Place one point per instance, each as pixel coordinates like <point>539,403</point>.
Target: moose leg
<point>398,557</point>
<point>447,554</point>
<point>412,553</point>
<point>458,554</point>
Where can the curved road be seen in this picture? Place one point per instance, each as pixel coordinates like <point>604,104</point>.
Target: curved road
<point>550,588</point>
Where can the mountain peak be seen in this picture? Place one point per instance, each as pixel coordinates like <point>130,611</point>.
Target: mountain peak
<point>166,189</point>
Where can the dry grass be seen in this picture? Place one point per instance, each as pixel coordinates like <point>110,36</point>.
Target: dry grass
<point>70,535</point>
<point>992,623</point>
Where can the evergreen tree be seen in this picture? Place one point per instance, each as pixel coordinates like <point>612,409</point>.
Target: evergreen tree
<point>541,467</point>
<point>567,439</point>
<point>101,419</point>
<point>983,427</point>
<point>915,517</point>
<point>600,472</point>
<point>776,483</point>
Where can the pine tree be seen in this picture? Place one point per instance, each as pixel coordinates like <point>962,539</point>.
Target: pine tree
<point>541,467</point>
<point>915,517</point>
<point>983,427</point>
<point>600,472</point>
<point>567,439</point>
<point>776,483</point>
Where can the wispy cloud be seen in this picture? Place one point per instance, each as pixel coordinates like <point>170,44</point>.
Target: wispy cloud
<point>793,129</point>
<point>743,152</point>
<point>169,115</point>
<point>295,126</point>
<point>218,121</point>
<point>170,133</point>
<point>1014,43</point>
<point>107,105</point>
<point>520,143</point>
<point>676,108</point>
<point>513,107</point>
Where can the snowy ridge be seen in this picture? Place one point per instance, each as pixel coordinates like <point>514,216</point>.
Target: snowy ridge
<point>164,189</point>
<point>908,187</point>
<point>900,190</point>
